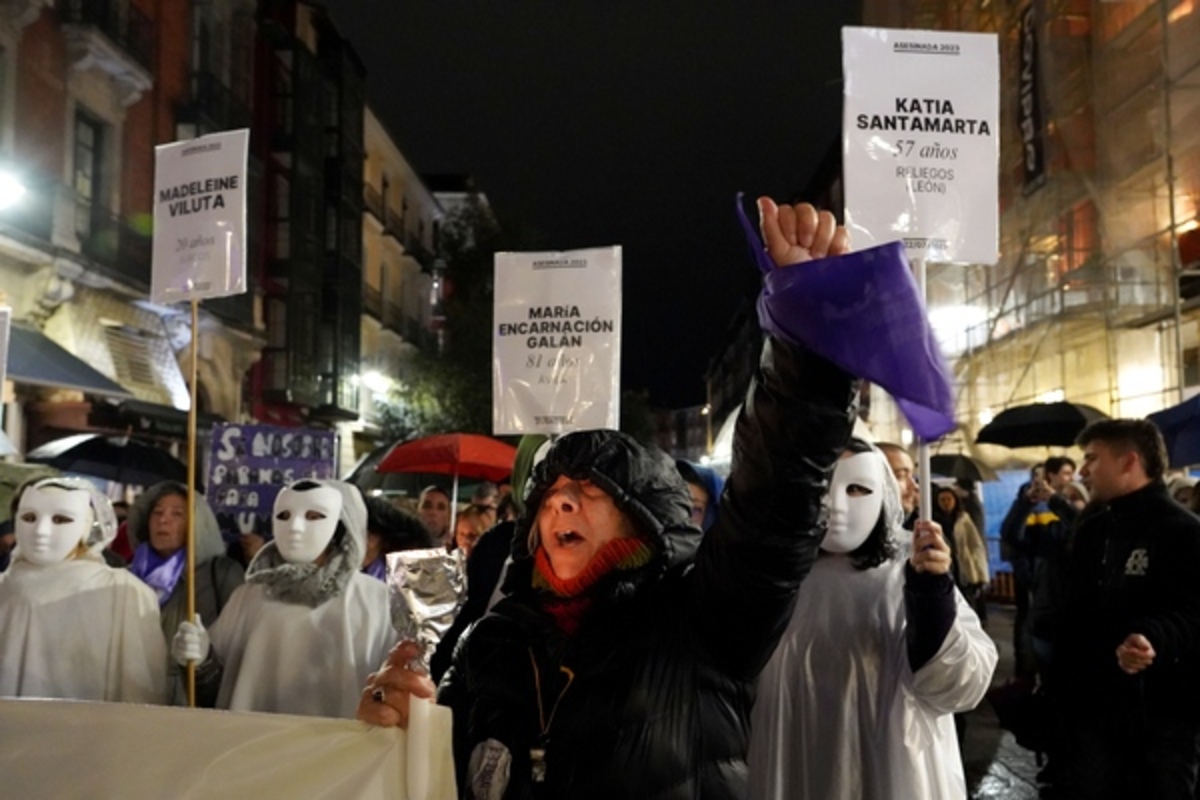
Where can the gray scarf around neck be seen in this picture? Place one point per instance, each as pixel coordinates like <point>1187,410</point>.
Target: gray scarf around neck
<point>302,584</point>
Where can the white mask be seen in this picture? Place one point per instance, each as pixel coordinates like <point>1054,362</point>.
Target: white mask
<point>51,522</point>
<point>305,522</point>
<point>855,501</point>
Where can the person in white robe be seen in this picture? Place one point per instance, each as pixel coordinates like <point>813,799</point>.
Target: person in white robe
<point>857,700</point>
<point>307,628</point>
<point>72,627</point>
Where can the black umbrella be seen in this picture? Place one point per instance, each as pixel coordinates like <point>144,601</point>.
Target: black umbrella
<point>1180,426</point>
<point>957,465</point>
<point>119,459</point>
<point>1039,425</point>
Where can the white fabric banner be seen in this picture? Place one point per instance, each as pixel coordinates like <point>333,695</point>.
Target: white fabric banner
<point>557,341</point>
<point>921,141</point>
<point>63,749</point>
<point>200,218</point>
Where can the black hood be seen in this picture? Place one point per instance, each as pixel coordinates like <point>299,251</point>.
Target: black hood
<point>643,483</point>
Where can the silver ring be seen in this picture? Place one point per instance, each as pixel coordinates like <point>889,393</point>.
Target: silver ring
<point>377,694</point>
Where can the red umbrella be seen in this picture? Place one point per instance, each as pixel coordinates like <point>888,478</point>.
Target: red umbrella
<point>467,455</point>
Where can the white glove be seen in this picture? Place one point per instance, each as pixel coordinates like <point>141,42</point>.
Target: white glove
<point>191,643</point>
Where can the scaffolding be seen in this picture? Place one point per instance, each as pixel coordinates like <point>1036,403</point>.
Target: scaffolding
<point>1090,301</point>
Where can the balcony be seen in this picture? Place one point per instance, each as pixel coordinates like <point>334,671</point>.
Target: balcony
<point>393,317</point>
<point>373,201</point>
<point>373,302</point>
<point>418,335</point>
<point>393,223</point>
<point>116,249</point>
<point>113,37</point>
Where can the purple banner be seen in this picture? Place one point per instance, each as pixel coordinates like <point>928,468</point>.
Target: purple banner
<point>249,464</point>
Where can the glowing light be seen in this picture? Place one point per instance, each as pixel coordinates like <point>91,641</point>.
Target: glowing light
<point>906,437</point>
<point>1053,396</point>
<point>376,382</point>
<point>11,190</point>
<point>951,325</point>
<point>986,416</point>
<point>1180,11</point>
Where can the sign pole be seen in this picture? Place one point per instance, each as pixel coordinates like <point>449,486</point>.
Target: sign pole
<point>191,494</point>
<point>924,478</point>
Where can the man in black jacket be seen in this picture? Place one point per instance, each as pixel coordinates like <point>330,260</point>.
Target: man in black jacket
<point>621,662</point>
<point>1035,530</point>
<point>1130,636</point>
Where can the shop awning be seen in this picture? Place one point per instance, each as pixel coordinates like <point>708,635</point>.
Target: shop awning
<point>159,418</point>
<point>36,360</point>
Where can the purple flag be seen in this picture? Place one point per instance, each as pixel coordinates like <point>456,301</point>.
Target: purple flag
<point>863,312</point>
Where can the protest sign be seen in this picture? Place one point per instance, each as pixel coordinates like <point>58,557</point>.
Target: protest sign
<point>200,218</point>
<point>557,341</point>
<point>249,464</point>
<point>921,142</point>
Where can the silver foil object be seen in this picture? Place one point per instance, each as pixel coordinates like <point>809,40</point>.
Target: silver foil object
<point>426,588</point>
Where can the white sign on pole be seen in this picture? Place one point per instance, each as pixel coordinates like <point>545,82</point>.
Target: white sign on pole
<point>556,345</point>
<point>200,218</point>
<point>921,141</point>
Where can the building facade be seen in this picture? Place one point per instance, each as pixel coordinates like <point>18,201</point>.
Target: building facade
<point>401,226</point>
<point>99,84</point>
<point>1093,299</point>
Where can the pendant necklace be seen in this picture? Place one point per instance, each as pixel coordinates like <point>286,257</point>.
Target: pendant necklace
<point>537,753</point>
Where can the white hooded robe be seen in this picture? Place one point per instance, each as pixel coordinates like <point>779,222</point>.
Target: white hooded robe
<point>80,630</point>
<point>839,713</point>
<point>292,658</point>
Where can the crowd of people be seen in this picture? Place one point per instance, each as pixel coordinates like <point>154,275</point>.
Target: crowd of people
<point>635,626</point>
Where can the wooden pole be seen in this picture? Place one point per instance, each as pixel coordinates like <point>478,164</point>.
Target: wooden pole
<point>191,495</point>
<point>924,473</point>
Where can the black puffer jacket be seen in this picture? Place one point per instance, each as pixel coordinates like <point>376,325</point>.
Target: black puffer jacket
<point>663,662</point>
<point>1133,568</point>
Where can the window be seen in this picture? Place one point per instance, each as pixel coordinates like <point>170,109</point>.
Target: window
<point>1114,18</point>
<point>277,321</point>
<point>331,227</point>
<point>281,214</point>
<point>88,141</point>
<point>1078,239</point>
<point>242,59</point>
<point>1191,366</point>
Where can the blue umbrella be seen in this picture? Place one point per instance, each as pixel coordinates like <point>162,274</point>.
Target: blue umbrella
<point>1180,426</point>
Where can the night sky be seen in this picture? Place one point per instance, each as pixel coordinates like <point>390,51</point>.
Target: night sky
<point>630,122</point>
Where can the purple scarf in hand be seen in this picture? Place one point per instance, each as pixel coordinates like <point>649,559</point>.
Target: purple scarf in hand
<point>863,312</point>
<point>160,574</point>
